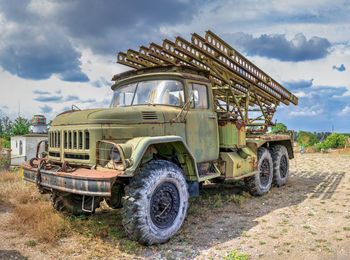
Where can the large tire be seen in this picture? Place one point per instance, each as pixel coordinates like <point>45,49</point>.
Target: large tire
<point>260,183</point>
<point>70,204</point>
<point>155,203</point>
<point>280,159</point>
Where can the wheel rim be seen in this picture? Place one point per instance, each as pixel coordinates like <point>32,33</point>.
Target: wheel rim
<point>165,204</point>
<point>265,172</point>
<point>283,166</point>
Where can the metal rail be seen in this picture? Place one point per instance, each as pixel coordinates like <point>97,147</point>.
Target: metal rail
<point>242,91</point>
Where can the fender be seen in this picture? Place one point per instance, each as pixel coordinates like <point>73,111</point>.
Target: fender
<point>135,149</point>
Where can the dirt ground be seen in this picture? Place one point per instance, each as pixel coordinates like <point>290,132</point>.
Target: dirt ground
<point>309,218</point>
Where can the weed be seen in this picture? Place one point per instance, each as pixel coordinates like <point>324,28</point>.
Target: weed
<point>306,227</point>
<point>234,255</point>
<point>31,243</point>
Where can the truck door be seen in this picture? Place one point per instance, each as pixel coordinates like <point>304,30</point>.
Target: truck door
<point>202,124</point>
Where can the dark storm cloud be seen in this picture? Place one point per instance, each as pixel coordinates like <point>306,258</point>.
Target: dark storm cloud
<point>41,46</point>
<point>277,46</point>
<point>35,48</point>
<point>46,109</point>
<point>113,25</point>
<point>341,68</point>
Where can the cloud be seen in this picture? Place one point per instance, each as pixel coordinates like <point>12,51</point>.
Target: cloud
<point>308,112</point>
<point>300,84</point>
<point>277,46</point>
<point>118,24</point>
<point>101,82</point>
<point>48,98</point>
<point>71,98</point>
<point>345,111</point>
<point>341,68</point>
<point>41,92</point>
<point>46,109</point>
<point>78,100</point>
<point>32,48</point>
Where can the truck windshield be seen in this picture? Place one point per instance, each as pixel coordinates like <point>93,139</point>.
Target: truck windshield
<point>155,92</point>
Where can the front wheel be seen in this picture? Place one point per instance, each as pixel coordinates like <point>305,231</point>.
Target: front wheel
<point>260,183</point>
<point>155,203</point>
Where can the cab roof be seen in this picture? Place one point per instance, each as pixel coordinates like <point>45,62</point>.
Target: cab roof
<point>180,70</point>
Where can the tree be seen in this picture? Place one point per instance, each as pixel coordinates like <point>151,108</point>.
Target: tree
<point>334,140</point>
<point>20,126</point>
<point>279,128</point>
<point>306,138</point>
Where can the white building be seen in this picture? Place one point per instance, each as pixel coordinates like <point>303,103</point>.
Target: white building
<point>23,147</point>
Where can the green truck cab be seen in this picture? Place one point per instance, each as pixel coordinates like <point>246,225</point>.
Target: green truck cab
<point>169,128</point>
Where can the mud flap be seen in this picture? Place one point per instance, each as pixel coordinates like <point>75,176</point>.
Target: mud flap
<point>193,188</point>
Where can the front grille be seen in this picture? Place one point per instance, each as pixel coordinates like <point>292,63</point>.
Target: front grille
<point>76,140</point>
<point>54,154</point>
<point>55,139</point>
<point>69,144</point>
<point>76,156</point>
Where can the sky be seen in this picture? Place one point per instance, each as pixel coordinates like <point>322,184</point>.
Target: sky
<point>54,54</point>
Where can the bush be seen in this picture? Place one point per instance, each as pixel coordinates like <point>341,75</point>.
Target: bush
<point>279,128</point>
<point>306,138</point>
<point>332,141</point>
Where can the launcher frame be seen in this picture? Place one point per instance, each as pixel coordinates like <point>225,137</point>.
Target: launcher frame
<point>242,91</point>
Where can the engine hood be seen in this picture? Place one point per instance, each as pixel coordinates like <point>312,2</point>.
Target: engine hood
<point>120,115</point>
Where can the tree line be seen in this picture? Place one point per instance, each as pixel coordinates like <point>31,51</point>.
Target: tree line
<point>8,128</point>
<point>319,140</point>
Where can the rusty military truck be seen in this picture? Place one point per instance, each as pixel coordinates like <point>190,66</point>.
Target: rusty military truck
<point>187,112</point>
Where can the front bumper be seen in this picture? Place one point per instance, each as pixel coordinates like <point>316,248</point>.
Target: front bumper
<point>82,181</point>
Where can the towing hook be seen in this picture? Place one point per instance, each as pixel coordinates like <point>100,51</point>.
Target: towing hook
<point>41,165</point>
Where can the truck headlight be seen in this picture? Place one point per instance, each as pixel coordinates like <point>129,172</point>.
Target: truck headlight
<point>114,155</point>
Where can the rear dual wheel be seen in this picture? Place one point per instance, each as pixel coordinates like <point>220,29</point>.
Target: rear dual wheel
<point>273,168</point>
<point>260,183</point>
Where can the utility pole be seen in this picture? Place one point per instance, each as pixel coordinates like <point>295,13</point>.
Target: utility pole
<point>19,108</point>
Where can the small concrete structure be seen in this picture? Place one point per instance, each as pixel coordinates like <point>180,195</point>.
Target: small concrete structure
<point>23,147</point>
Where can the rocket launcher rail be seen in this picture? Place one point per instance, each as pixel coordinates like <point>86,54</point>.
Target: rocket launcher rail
<point>241,89</point>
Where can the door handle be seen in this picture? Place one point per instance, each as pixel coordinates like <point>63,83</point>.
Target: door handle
<point>212,117</point>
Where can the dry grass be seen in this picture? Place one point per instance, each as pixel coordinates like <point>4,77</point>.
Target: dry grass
<point>16,191</point>
<point>39,220</point>
<point>32,214</point>
<point>9,177</point>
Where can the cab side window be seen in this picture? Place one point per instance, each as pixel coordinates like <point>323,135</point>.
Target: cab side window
<point>199,94</point>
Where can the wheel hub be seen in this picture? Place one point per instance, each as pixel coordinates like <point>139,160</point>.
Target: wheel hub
<point>165,204</point>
